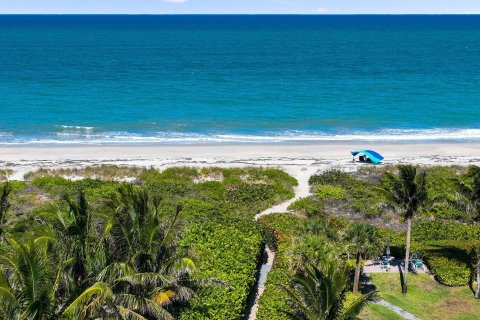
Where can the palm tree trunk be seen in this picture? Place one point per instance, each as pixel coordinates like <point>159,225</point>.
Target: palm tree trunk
<point>407,256</point>
<point>477,292</point>
<point>356,279</point>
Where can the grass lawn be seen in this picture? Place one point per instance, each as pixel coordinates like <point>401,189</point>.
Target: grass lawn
<point>377,312</point>
<point>426,298</point>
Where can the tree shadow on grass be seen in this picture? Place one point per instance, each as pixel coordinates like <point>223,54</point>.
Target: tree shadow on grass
<point>400,272</point>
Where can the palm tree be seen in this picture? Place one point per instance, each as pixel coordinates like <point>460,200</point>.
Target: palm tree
<point>366,241</point>
<point>469,200</point>
<point>407,191</point>
<point>322,241</point>
<point>31,282</point>
<point>4,206</point>
<point>318,293</point>
<point>123,292</point>
<point>77,231</point>
<point>139,235</point>
<point>145,277</point>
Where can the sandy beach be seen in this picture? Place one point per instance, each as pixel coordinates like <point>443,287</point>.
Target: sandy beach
<point>299,160</point>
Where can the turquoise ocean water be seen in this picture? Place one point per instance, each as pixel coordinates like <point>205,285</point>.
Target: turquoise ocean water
<point>198,79</point>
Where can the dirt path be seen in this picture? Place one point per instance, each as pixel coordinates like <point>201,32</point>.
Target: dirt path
<point>301,191</point>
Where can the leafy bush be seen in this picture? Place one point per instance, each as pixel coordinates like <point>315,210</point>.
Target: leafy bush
<point>327,192</point>
<point>450,261</point>
<point>272,303</point>
<point>229,252</point>
<point>448,248</point>
<point>348,194</point>
<point>309,206</point>
<point>15,186</point>
<point>334,177</point>
<point>247,193</point>
<point>52,184</point>
<point>449,272</point>
<point>443,230</point>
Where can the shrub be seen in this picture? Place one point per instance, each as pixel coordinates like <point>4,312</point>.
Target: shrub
<point>16,186</point>
<point>442,230</point>
<point>348,194</point>
<point>449,272</point>
<point>5,173</point>
<point>331,177</point>
<point>327,192</point>
<point>272,303</point>
<point>53,185</point>
<point>309,206</point>
<point>229,252</point>
<point>451,261</point>
<point>448,248</point>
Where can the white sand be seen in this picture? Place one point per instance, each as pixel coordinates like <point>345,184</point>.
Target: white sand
<point>299,160</point>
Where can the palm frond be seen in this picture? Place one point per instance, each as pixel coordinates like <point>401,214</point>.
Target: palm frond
<point>142,305</point>
<point>6,292</point>
<point>357,306</point>
<point>99,288</point>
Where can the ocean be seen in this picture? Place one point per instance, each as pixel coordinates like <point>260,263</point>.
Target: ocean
<point>117,79</point>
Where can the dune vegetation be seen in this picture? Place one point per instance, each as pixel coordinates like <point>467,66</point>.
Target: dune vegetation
<point>136,243</point>
<point>181,243</point>
<point>444,231</point>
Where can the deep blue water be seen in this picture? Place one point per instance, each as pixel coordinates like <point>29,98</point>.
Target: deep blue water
<point>227,78</point>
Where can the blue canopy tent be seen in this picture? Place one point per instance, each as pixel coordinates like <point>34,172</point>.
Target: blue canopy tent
<point>370,154</point>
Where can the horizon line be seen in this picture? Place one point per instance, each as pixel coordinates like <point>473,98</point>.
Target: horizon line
<point>242,14</point>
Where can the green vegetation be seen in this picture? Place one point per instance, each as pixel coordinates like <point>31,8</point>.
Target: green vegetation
<point>441,225</point>
<point>327,192</point>
<point>366,241</point>
<point>469,193</point>
<point>310,206</point>
<point>426,299</point>
<point>448,248</point>
<point>343,194</point>
<point>310,252</point>
<point>4,174</point>
<point>318,292</point>
<point>102,172</point>
<point>227,251</point>
<point>378,312</point>
<point>408,193</point>
<point>283,228</point>
<point>180,243</point>
<point>136,243</point>
<point>450,261</point>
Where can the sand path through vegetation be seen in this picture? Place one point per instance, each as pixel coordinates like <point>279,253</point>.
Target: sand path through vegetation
<point>302,190</point>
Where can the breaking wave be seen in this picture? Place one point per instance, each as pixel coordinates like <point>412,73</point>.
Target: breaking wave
<point>90,135</point>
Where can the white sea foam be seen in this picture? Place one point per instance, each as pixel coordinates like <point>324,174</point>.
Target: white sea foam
<point>388,135</point>
<point>76,127</point>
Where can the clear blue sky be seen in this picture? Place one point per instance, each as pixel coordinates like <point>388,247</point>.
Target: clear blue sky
<point>241,6</point>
